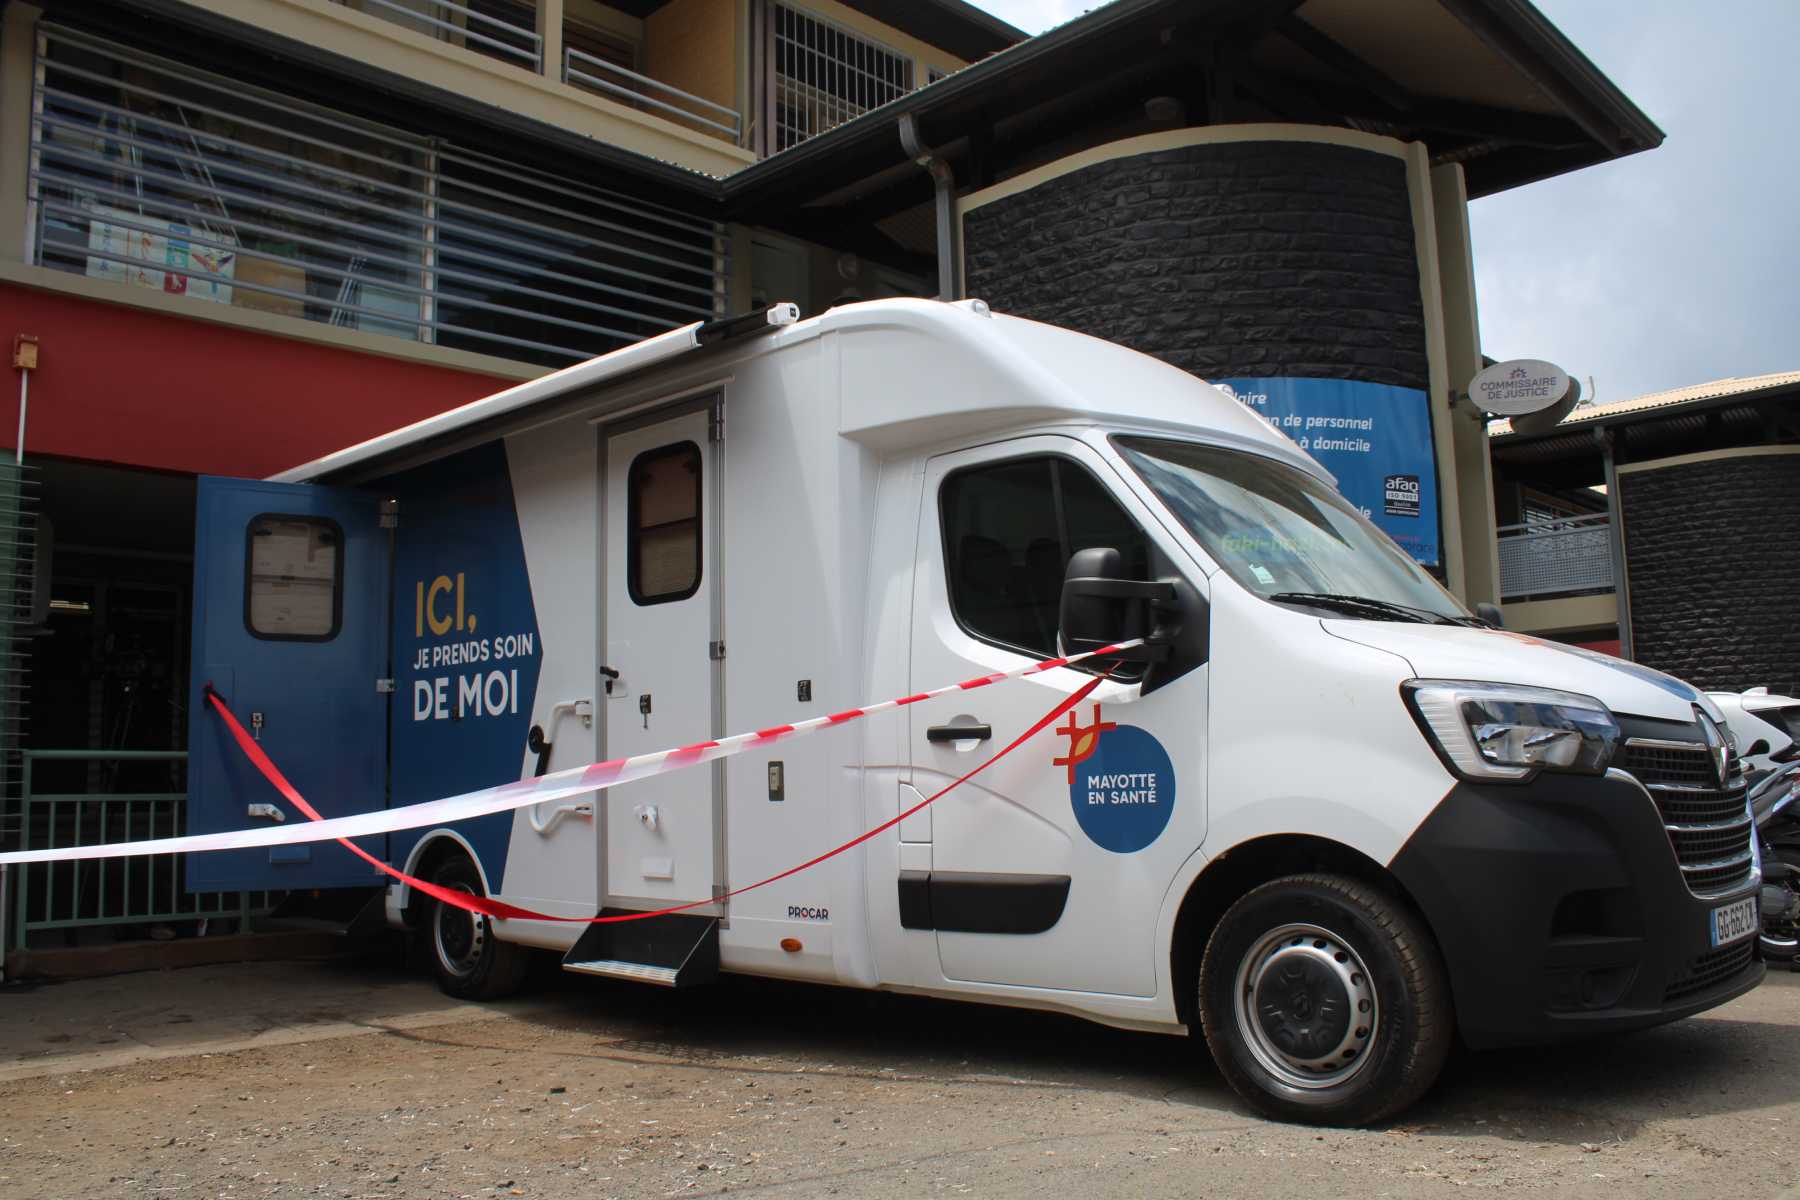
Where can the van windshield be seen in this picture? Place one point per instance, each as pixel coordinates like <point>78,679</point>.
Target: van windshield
<point>1287,536</point>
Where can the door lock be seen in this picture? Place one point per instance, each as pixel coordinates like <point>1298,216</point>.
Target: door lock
<point>256,724</point>
<point>611,676</point>
<point>644,708</point>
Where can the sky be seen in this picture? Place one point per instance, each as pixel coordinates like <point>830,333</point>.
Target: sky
<point>1676,266</point>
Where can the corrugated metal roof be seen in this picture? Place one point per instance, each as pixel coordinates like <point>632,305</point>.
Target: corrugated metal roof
<point>1716,390</point>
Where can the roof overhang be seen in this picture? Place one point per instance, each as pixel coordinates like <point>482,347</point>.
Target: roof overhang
<point>1490,84</point>
<point>1735,415</point>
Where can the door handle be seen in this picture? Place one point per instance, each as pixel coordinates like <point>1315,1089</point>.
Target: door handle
<point>959,733</point>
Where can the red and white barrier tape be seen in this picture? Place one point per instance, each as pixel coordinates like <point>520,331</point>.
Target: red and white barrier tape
<point>489,906</point>
<point>561,785</point>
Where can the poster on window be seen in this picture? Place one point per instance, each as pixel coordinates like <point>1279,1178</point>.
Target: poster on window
<point>1374,437</point>
<point>126,247</point>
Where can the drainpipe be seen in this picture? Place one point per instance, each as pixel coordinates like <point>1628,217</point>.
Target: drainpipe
<point>948,255</point>
<point>1616,540</point>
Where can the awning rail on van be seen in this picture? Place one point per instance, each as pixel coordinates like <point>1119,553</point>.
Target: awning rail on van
<point>607,368</point>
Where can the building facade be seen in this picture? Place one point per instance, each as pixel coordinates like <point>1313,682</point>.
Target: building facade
<point>1657,528</point>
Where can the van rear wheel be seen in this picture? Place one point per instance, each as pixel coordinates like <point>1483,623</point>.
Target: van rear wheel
<point>1324,1000</point>
<point>469,961</point>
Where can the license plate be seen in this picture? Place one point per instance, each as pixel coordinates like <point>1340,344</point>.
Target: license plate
<point>1733,921</point>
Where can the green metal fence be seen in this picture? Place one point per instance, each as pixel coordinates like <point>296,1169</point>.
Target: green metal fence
<point>119,892</point>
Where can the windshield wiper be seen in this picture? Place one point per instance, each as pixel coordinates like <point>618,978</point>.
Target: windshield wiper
<point>1365,605</point>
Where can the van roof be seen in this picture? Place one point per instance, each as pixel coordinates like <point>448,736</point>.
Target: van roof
<point>914,372</point>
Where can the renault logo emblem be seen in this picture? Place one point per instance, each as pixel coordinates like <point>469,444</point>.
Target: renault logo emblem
<point>1716,747</point>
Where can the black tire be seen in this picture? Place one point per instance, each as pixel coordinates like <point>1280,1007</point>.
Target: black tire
<point>1779,940</point>
<point>1345,1016</point>
<point>469,961</point>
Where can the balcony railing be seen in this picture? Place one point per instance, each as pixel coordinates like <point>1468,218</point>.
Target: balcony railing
<point>825,75</point>
<point>149,173</point>
<point>1546,558</point>
<point>641,91</point>
<point>449,21</point>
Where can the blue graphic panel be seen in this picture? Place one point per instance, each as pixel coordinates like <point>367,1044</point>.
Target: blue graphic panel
<point>1124,793</point>
<point>466,643</point>
<point>1374,437</point>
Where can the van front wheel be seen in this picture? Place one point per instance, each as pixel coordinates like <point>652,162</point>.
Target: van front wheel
<point>469,961</point>
<point>1324,1000</point>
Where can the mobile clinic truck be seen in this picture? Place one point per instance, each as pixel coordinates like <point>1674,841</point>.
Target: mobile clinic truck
<point>1324,817</point>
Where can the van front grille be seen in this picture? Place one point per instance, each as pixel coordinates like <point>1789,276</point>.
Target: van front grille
<point>1711,968</point>
<point>1709,827</point>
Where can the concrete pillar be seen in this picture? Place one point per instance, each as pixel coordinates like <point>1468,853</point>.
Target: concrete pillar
<point>1462,354</point>
<point>550,30</point>
<point>1437,398</point>
<point>18,48</point>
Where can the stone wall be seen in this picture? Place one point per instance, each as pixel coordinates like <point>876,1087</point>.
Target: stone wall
<point>1254,259</point>
<point>1715,579</point>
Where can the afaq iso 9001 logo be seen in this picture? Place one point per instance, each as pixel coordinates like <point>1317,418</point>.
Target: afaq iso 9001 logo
<point>1121,783</point>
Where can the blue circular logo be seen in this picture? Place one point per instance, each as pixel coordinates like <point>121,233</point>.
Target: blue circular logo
<point>1124,791</point>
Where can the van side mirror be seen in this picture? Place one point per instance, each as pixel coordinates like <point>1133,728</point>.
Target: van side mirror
<point>1101,607</point>
<point>1490,613</point>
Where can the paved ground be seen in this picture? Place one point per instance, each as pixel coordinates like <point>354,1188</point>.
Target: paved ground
<point>344,1080</point>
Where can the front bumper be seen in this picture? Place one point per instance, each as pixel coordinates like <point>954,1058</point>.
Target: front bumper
<point>1561,911</point>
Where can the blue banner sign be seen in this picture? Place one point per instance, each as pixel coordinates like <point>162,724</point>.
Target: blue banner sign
<point>1374,437</point>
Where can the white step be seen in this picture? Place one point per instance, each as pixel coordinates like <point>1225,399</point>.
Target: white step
<point>613,969</point>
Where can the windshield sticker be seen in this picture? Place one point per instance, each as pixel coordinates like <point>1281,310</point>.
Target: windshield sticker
<point>1121,783</point>
<point>1263,575</point>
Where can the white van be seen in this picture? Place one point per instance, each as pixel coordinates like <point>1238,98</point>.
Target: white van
<point>1328,819</point>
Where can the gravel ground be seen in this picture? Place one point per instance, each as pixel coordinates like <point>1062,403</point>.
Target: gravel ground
<point>370,1085</point>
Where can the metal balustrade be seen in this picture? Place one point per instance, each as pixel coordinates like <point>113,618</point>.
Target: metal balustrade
<point>1565,554</point>
<point>146,890</point>
<point>149,173</point>
<point>450,21</point>
<point>826,74</point>
<point>610,79</point>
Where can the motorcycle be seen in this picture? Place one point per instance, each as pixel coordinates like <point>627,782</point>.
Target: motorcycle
<point>1775,807</point>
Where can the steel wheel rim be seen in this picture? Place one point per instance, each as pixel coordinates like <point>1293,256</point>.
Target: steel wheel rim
<point>1290,988</point>
<point>459,936</point>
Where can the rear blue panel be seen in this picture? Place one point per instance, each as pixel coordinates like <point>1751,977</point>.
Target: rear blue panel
<point>322,720</point>
<point>466,644</point>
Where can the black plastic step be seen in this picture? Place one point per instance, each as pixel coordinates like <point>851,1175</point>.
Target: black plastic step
<point>672,950</point>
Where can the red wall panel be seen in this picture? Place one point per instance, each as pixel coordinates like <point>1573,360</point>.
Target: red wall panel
<point>122,385</point>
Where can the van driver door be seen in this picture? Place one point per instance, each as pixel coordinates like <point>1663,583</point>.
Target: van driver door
<point>1050,867</point>
<point>659,632</point>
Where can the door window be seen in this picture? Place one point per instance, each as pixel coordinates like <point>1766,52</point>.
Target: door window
<point>662,523</point>
<point>1009,529</point>
<point>294,578</point>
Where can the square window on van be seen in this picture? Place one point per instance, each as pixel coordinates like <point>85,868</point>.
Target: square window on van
<point>662,521</point>
<point>294,578</point>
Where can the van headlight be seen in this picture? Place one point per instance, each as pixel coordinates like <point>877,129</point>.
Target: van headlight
<point>1501,732</point>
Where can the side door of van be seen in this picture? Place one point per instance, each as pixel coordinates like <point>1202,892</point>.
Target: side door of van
<point>660,622</point>
<point>291,588</point>
<point>1048,869</point>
